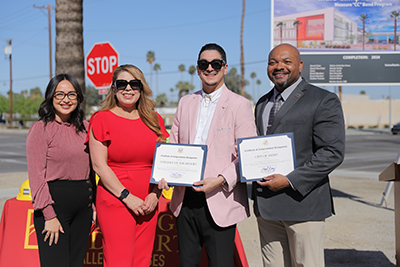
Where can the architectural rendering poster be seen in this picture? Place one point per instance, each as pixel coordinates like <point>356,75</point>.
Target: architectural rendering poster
<point>336,24</point>
<point>342,42</point>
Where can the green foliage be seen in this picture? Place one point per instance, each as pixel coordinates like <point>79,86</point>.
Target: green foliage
<point>23,103</point>
<point>184,88</point>
<point>150,57</point>
<point>4,105</point>
<point>161,100</point>
<point>92,98</point>
<point>232,81</point>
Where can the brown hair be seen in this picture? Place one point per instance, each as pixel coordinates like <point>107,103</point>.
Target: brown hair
<point>145,104</point>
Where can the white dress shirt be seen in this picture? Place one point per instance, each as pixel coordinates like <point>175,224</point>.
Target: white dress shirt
<point>207,108</point>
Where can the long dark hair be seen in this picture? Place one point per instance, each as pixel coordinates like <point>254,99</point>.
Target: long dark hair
<point>47,111</point>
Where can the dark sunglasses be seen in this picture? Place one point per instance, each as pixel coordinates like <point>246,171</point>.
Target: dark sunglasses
<point>134,84</point>
<point>216,64</point>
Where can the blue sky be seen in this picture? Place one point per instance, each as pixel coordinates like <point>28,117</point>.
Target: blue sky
<point>175,30</point>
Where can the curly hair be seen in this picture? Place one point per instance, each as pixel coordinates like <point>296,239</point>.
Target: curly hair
<point>145,104</point>
<point>47,111</point>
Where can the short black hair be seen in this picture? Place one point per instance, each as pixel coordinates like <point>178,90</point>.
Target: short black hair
<point>213,46</point>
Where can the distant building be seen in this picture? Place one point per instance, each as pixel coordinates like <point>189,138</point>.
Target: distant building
<point>324,27</point>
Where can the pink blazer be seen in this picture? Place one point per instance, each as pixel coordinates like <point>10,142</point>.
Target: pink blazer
<point>233,118</point>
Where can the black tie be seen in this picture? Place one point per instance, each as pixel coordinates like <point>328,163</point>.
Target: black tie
<point>275,108</point>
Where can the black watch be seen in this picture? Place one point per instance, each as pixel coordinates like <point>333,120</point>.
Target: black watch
<point>124,194</point>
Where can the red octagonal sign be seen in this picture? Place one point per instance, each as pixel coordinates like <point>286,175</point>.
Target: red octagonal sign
<point>100,64</point>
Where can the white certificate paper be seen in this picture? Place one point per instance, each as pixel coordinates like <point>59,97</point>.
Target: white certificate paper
<point>178,164</point>
<point>266,155</point>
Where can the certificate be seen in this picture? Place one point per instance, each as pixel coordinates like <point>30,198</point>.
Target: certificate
<point>178,164</point>
<point>266,155</point>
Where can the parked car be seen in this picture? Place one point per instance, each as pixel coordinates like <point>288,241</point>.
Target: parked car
<point>2,120</point>
<point>396,128</point>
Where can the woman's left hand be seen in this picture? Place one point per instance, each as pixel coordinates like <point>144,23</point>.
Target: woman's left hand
<point>150,203</point>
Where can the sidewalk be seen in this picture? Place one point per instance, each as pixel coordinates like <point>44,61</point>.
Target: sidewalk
<point>361,234</point>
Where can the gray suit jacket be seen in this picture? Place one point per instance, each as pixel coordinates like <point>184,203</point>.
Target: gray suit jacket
<point>315,117</point>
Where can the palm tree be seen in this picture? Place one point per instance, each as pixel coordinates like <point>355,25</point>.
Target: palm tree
<point>253,75</point>
<point>242,81</point>
<point>363,18</point>
<point>394,16</point>
<point>183,88</point>
<point>157,67</point>
<point>258,87</point>
<point>296,24</point>
<point>181,68</point>
<point>192,71</point>
<point>150,57</point>
<point>280,24</point>
<point>69,40</point>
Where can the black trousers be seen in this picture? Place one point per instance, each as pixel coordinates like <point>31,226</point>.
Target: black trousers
<point>196,228</point>
<point>73,206</point>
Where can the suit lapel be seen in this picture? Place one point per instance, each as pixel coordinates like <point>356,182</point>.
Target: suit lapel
<point>194,109</point>
<point>297,93</point>
<point>219,113</point>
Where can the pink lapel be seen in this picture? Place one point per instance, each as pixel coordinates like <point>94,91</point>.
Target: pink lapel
<point>219,113</point>
<point>192,114</point>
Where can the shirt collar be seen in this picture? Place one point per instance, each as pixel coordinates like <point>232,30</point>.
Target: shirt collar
<point>214,96</point>
<point>286,93</point>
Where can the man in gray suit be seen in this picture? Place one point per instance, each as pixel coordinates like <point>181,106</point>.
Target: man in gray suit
<point>291,209</point>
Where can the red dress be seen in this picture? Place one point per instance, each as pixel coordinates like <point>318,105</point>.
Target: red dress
<point>127,239</point>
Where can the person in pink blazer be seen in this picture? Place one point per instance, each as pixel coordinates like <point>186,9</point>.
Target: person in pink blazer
<point>207,213</point>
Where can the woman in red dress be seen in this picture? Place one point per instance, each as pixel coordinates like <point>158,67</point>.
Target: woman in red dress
<point>122,139</point>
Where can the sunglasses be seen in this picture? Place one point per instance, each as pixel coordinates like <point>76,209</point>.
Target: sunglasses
<point>134,84</point>
<point>216,64</point>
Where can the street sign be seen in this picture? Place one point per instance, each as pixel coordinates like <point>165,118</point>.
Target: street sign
<point>352,68</point>
<point>100,64</point>
<point>102,91</point>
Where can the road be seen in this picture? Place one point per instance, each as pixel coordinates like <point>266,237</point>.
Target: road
<point>12,151</point>
<point>367,153</point>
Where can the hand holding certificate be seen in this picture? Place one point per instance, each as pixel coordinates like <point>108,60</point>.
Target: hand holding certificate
<point>266,155</point>
<point>178,164</point>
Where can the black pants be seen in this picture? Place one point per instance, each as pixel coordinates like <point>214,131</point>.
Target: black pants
<point>196,227</point>
<point>73,206</point>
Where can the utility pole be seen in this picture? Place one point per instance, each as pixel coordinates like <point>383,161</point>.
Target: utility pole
<point>49,8</point>
<point>8,51</point>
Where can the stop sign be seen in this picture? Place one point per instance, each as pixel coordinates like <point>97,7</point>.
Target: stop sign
<point>100,64</point>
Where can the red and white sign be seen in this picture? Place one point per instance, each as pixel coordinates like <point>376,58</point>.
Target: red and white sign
<point>100,64</point>
<point>102,91</point>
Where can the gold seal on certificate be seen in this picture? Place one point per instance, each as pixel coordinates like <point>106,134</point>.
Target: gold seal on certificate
<point>266,155</point>
<point>178,164</point>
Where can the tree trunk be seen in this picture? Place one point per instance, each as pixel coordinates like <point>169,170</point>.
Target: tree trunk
<point>69,40</point>
<point>242,82</point>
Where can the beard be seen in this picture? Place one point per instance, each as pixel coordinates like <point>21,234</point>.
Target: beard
<point>281,84</point>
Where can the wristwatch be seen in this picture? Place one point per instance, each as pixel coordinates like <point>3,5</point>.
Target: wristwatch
<point>124,194</point>
<point>224,182</point>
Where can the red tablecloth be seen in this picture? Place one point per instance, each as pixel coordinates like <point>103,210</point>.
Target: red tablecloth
<point>18,244</point>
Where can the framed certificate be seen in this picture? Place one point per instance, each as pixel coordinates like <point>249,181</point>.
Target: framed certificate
<point>266,155</point>
<point>178,164</point>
